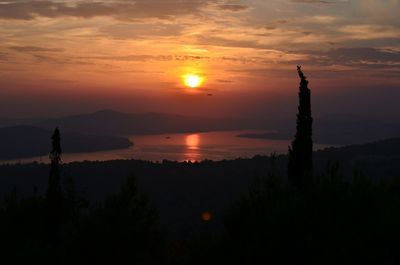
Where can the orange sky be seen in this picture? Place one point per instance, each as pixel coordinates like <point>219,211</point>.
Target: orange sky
<point>98,53</point>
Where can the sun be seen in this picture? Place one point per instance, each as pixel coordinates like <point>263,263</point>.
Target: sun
<point>193,80</point>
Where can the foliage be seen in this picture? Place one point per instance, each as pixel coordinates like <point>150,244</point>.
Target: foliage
<point>123,228</point>
<point>333,222</point>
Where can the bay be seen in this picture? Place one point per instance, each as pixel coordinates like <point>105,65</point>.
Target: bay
<point>218,145</point>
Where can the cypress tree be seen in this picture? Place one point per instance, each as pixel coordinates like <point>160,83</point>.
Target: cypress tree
<point>54,195</point>
<point>300,153</point>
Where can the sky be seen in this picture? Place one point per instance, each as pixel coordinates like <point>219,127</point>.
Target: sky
<point>66,57</point>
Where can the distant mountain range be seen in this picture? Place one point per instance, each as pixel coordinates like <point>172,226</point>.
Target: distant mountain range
<point>339,129</point>
<point>108,122</point>
<point>332,129</point>
<point>384,148</point>
<point>336,130</point>
<point>98,131</point>
<point>29,141</point>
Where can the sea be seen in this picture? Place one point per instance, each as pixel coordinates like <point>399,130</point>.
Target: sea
<point>216,146</point>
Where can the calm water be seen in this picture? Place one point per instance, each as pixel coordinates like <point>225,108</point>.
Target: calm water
<point>183,147</point>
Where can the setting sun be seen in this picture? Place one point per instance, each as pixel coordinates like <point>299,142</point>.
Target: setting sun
<point>193,80</point>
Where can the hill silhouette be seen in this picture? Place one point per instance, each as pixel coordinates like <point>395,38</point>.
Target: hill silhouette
<point>382,148</point>
<point>336,130</point>
<point>118,123</point>
<point>28,141</point>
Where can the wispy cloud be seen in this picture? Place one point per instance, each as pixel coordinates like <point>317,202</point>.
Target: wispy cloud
<point>35,49</point>
<point>124,10</point>
<point>352,58</point>
<point>365,32</point>
<point>233,8</point>
<point>146,57</point>
<point>319,1</point>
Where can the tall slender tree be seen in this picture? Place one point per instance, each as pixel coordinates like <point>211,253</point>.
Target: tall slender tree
<point>54,195</point>
<point>300,153</point>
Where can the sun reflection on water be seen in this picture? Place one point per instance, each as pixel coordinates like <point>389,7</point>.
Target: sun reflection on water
<point>192,147</point>
<point>192,141</point>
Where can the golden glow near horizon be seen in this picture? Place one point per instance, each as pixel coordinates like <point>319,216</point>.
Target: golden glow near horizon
<point>193,80</point>
<point>110,47</point>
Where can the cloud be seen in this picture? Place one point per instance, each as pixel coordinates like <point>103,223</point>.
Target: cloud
<point>318,1</point>
<point>366,61</point>
<point>123,10</point>
<point>282,21</point>
<point>368,32</point>
<point>34,49</point>
<point>233,8</point>
<point>146,57</point>
<point>368,54</point>
<point>233,43</point>
<point>322,19</point>
<point>139,30</point>
<point>224,81</point>
<point>3,56</point>
<point>361,58</point>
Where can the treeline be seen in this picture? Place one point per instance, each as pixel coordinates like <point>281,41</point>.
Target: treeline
<point>122,228</point>
<point>334,222</point>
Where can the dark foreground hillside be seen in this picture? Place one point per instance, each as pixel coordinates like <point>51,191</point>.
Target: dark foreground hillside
<point>228,212</point>
<point>180,191</point>
<point>183,191</point>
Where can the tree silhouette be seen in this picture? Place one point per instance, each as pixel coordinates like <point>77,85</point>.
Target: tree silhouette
<point>123,228</point>
<point>300,153</point>
<point>54,187</point>
<point>54,196</point>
